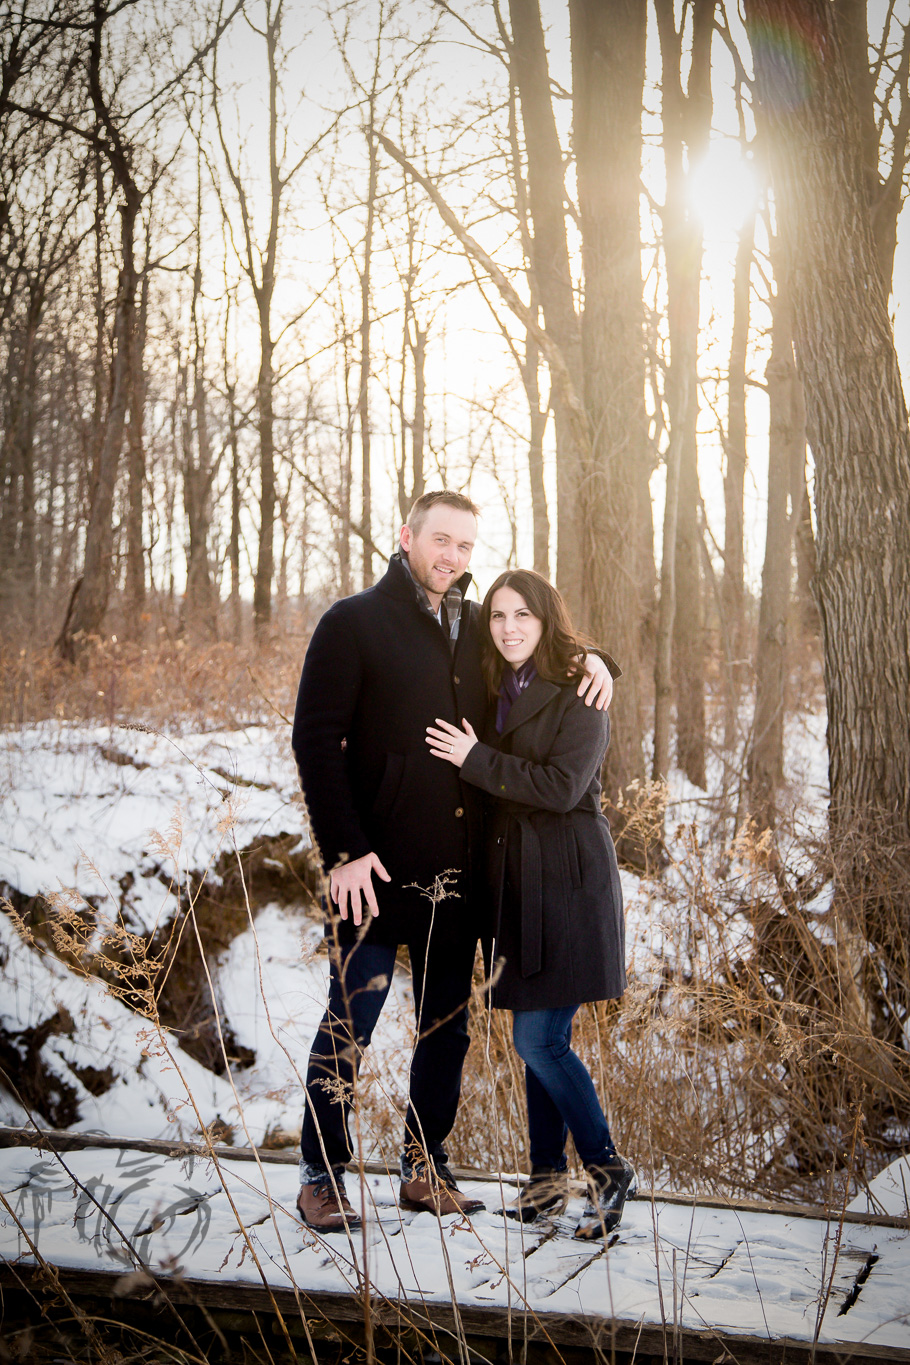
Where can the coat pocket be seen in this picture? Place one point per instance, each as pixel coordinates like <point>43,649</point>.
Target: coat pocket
<point>573,859</point>
<point>390,785</point>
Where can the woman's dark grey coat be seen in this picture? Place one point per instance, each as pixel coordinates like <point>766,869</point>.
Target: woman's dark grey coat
<point>557,897</point>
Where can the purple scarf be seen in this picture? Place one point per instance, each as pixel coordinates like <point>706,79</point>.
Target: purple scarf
<point>514,682</point>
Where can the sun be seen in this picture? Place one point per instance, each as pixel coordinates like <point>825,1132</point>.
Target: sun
<point>723,189</point>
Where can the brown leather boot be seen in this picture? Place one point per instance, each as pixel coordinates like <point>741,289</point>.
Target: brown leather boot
<point>323,1204</point>
<point>429,1186</point>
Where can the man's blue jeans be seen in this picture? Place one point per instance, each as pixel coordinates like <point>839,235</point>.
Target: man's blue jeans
<point>359,983</point>
<point>561,1094</point>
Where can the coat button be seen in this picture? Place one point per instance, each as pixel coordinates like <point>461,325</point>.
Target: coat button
<point>459,812</point>
<point>456,680</point>
<point>500,838</point>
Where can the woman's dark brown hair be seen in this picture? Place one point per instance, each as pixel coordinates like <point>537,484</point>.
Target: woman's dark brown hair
<point>561,649</point>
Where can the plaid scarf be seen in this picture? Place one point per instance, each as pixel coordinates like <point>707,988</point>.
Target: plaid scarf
<point>514,682</point>
<point>451,603</point>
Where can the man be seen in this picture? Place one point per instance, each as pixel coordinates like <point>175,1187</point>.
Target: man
<point>381,666</point>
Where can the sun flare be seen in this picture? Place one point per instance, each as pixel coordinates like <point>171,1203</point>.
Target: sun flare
<point>723,189</point>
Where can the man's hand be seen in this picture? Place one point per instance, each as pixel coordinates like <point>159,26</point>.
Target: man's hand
<point>597,684</point>
<point>353,880</point>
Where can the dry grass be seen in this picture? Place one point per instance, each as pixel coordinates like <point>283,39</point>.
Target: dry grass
<point>173,686</point>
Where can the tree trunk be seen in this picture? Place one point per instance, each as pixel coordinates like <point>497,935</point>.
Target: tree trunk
<point>608,64</point>
<point>343,534</point>
<point>234,540</point>
<point>264,290</point>
<point>135,550</point>
<point>553,277</point>
<point>265,563</point>
<point>363,393</point>
<point>733,587</point>
<point>538,422</point>
<point>766,756</point>
<point>89,602</point>
<point>419,423</point>
<point>18,548</point>
<point>686,123</point>
<point>200,606</point>
<point>801,515</point>
<point>885,193</point>
<point>663,652</point>
<point>856,422</point>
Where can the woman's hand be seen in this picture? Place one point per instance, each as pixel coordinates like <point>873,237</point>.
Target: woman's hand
<point>449,742</point>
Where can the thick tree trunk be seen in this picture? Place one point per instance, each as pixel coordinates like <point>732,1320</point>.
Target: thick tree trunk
<point>553,277</point>
<point>608,62</point>
<point>530,365</point>
<point>686,123</point>
<point>856,419</point>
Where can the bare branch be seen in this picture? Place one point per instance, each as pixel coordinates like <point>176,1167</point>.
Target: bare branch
<point>561,378</point>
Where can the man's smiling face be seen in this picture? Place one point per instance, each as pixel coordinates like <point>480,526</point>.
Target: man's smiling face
<point>439,552</point>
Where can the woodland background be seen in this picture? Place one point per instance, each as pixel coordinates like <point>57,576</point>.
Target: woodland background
<point>622,270</point>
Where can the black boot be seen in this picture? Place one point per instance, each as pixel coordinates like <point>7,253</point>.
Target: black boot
<point>610,1183</point>
<point>546,1192</point>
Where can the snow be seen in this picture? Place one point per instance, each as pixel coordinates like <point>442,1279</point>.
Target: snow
<point>128,821</point>
<point>888,1193</point>
<point>757,1273</point>
<point>92,808</point>
<point>152,1074</point>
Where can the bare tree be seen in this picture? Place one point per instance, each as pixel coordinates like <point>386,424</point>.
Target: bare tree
<point>686,129</point>
<point>856,415</point>
<point>766,752</point>
<point>608,68</point>
<point>549,255</point>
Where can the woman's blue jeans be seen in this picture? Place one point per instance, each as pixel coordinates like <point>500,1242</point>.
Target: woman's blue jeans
<point>561,1094</point>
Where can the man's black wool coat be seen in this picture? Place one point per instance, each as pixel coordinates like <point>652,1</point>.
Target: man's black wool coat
<point>379,669</point>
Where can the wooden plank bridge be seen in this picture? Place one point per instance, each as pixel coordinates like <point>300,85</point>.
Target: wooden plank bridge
<point>215,1229</point>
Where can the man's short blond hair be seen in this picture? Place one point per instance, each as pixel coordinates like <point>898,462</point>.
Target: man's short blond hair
<point>419,509</point>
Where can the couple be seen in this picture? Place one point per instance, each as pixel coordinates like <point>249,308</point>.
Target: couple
<point>398,683</point>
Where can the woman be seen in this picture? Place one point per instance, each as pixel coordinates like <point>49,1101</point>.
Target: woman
<point>557,897</point>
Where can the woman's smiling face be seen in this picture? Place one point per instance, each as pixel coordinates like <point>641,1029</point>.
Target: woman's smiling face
<point>516,631</point>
